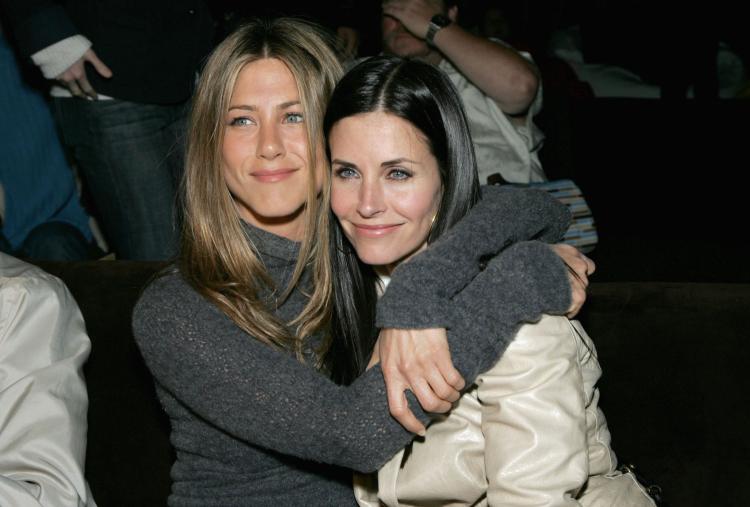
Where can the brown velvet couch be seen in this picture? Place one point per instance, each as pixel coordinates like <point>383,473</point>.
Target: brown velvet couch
<point>675,389</point>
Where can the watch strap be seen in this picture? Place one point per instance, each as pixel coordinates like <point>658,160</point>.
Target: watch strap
<point>438,22</point>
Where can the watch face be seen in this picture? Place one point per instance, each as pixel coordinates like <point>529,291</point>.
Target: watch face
<point>440,20</point>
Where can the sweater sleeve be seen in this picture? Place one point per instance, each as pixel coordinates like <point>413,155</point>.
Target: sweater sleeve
<point>526,280</point>
<point>421,288</point>
<point>258,394</point>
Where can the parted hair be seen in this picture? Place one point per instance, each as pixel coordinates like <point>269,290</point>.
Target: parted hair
<point>424,96</point>
<point>216,256</point>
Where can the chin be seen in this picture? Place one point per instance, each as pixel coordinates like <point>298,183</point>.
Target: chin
<point>273,213</point>
<point>375,258</point>
<point>408,47</point>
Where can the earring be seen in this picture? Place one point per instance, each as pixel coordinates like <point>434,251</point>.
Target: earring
<point>432,224</point>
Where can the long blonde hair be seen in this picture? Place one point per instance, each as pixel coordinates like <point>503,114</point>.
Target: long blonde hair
<point>216,257</point>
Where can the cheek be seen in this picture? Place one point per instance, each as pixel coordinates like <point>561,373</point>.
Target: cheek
<point>340,199</point>
<point>297,143</point>
<point>227,151</point>
<point>233,151</point>
<point>419,206</point>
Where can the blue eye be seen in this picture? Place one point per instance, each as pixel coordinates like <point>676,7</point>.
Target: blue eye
<point>294,118</point>
<point>345,173</point>
<point>241,121</point>
<point>399,174</point>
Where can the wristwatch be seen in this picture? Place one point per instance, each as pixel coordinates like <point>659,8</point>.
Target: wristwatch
<point>438,22</point>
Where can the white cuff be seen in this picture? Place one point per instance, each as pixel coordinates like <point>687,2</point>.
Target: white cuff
<point>55,59</point>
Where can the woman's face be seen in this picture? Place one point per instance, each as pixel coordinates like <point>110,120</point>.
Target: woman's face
<point>264,154</point>
<point>386,186</point>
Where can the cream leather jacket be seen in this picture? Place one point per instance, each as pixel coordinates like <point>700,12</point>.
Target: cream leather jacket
<point>43,400</point>
<point>529,432</point>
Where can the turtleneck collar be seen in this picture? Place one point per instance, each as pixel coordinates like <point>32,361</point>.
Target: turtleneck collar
<point>271,245</point>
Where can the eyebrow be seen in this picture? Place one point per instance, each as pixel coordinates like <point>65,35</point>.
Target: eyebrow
<point>283,105</point>
<point>387,163</point>
<point>342,162</point>
<point>396,161</point>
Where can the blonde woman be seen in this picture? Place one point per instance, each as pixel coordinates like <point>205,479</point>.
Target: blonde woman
<point>238,336</point>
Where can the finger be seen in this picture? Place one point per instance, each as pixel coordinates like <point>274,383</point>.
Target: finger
<point>581,267</point>
<point>575,261</point>
<point>440,387</point>
<point>392,10</point>
<point>578,297</point>
<point>86,87</point>
<point>75,90</point>
<point>452,376</point>
<point>399,409</point>
<point>388,11</point>
<point>397,403</point>
<point>64,77</point>
<point>578,274</point>
<point>591,265</point>
<point>410,422</point>
<point>99,65</point>
<point>76,71</point>
<point>427,398</point>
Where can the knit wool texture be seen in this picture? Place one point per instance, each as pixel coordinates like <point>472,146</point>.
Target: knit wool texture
<point>421,288</point>
<point>253,426</point>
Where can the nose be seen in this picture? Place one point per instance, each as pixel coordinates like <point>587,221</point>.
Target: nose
<point>371,199</point>
<point>270,142</point>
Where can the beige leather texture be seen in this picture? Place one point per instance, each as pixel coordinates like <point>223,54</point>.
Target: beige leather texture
<point>528,433</point>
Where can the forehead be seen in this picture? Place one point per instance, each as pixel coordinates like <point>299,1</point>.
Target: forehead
<point>267,76</point>
<point>378,135</point>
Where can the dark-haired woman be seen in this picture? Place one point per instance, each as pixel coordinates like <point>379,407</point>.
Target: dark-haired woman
<point>529,430</point>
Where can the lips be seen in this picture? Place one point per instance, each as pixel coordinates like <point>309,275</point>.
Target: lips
<point>375,231</point>
<point>272,176</point>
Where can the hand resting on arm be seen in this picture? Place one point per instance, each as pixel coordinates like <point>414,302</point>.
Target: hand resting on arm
<point>415,356</point>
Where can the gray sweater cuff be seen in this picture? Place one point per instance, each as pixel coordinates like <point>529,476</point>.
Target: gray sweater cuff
<point>517,287</point>
<point>419,290</point>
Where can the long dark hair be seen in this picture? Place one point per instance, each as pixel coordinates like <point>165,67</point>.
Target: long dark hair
<point>422,95</point>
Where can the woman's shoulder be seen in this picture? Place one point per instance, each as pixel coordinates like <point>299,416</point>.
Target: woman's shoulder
<point>168,296</point>
<point>554,336</point>
<point>164,286</point>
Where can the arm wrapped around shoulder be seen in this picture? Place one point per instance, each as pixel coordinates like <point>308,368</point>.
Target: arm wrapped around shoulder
<point>525,281</point>
<point>421,288</point>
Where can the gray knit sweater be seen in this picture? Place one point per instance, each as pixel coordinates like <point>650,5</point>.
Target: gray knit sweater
<point>253,426</point>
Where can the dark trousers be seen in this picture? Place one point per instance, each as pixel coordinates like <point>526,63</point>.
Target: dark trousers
<point>131,159</point>
<point>53,241</point>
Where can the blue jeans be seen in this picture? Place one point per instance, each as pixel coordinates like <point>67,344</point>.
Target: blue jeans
<point>131,159</point>
<point>38,183</point>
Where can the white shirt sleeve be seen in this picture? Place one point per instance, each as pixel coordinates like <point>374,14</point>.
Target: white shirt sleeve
<point>43,399</point>
<point>55,59</point>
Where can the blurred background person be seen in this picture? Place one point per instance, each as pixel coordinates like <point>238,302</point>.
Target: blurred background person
<point>41,216</point>
<point>123,73</point>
